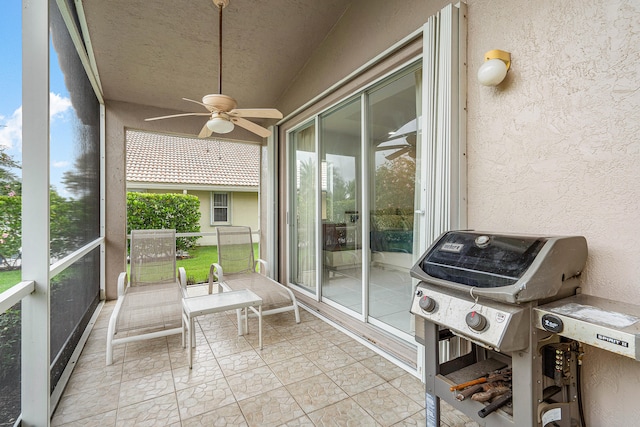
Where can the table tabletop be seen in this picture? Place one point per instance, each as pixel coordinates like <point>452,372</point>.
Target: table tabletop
<point>212,303</point>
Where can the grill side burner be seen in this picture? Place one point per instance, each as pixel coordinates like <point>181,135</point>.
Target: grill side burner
<point>483,287</point>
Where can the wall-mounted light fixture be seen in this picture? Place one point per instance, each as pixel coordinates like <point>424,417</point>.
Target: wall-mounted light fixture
<point>495,67</point>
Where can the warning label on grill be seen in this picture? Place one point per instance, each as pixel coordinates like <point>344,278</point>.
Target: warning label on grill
<point>452,247</point>
<point>612,340</point>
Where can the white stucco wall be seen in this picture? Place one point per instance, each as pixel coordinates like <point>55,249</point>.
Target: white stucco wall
<point>556,150</point>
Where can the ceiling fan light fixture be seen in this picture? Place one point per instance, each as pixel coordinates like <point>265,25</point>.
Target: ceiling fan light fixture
<point>220,125</point>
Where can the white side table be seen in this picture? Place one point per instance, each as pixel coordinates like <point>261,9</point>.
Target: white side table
<point>215,303</point>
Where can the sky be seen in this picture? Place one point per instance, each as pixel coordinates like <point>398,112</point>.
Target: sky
<point>61,112</point>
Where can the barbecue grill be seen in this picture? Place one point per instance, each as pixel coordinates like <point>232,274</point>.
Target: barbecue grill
<point>482,287</point>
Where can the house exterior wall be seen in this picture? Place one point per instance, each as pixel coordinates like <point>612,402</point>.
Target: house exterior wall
<point>244,211</point>
<point>553,150</point>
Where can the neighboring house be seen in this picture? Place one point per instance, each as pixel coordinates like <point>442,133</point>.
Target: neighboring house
<point>224,175</point>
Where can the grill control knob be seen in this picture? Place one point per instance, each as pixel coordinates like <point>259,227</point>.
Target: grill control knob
<point>427,304</point>
<point>476,321</point>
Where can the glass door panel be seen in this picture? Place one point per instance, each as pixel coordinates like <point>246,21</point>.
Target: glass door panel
<point>393,109</point>
<point>302,220</point>
<point>341,195</point>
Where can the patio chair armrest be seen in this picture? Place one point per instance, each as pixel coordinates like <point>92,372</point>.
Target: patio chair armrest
<point>122,283</point>
<point>215,272</point>
<point>264,266</point>
<point>182,279</point>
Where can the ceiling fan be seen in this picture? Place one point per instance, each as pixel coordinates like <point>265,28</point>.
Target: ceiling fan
<point>224,115</point>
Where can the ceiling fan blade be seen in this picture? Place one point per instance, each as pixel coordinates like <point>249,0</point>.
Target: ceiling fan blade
<point>176,115</point>
<point>263,113</point>
<point>208,107</point>
<point>398,153</point>
<point>205,132</point>
<point>251,127</point>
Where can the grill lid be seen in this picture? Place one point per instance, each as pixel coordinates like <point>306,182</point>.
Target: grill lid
<point>485,261</point>
<point>503,267</point>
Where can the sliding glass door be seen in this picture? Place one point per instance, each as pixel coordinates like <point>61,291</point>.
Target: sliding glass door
<point>352,181</point>
<point>394,139</point>
<point>303,166</point>
<point>341,196</point>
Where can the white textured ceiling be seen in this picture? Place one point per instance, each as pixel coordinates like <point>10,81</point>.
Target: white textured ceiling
<point>154,52</point>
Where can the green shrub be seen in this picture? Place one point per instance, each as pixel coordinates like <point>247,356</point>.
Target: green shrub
<point>147,211</point>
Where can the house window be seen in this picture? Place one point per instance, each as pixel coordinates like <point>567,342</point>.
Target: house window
<point>220,208</point>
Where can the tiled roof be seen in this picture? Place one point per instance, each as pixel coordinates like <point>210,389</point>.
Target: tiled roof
<point>166,159</point>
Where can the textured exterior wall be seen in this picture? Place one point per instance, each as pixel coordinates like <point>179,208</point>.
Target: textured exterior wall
<point>555,149</point>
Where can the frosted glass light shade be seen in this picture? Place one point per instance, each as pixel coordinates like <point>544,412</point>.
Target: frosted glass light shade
<point>492,72</point>
<point>220,125</point>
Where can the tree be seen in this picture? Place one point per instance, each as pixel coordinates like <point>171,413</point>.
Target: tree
<point>9,183</point>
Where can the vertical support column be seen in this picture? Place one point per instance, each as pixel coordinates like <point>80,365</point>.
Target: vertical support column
<point>35,213</point>
<point>432,369</point>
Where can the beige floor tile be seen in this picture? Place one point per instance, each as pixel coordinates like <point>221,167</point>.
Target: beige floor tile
<point>236,363</point>
<point>179,356</point>
<point>278,352</point>
<point>451,417</point>
<point>220,333</point>
<point>411,386</point>
<point>253,382</point>
<point>272,408</point>
<point>90,402</point>
<point>294,330</point>
<point>418,420</point>
<point>316,392</point>
<point>330,358</point>
<point>233,345</point>
<point>145,349</point>
<point>227,416</point>
<point>270,336</point>
<point>204,397</point>
<point>160,411</point>
<point>86,379</point>
<point>145,366</point>
<point>343,413</point>
<point>383,367</point>
<point>355,378</point>
<point>99,345</point>
<point>202,371</point>
<point>282,319</point>
<point>303,421</point>
<point>336,336</point>
<point>386,404</point>
<point>106,419</point>
<point>234,383</point>
<point>296,369</point>
<point>356,350</point>
<point>310,343</point>
<point>145,388</point>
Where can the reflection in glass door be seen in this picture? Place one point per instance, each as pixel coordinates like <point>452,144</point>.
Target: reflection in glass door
<point>341,194</point>
<point>302,220</point>
<point>393,110</point>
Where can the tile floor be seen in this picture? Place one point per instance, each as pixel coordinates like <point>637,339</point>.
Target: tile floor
<point>308,374</point>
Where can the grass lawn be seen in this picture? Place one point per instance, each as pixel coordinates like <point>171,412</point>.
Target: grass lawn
<point>197,266</point>
<point>198,263</point>
<point>9,278</point>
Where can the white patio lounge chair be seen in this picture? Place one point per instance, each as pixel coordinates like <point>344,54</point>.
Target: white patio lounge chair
<point>236,269</point>
<point>149,303</point>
